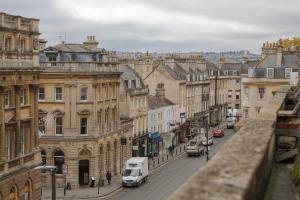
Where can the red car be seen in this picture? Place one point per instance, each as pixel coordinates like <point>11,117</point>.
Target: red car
<point>218,133</point>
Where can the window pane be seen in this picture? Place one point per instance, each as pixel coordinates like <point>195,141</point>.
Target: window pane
<point>58,125</point>
<point>41,93</point>
<point>58,93</point>
<point>83,94</point>
<point>83,126</point>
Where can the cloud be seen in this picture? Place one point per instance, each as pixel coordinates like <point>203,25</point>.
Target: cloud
<point>168,25</point>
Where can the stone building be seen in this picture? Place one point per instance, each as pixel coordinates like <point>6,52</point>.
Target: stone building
<point>163,117</point>
<point>277,70</point>
<point>79,113</point>
<point>19,77</point>
<point>134,105</point>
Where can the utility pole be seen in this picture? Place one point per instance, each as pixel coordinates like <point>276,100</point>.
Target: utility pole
<point>52,169</point>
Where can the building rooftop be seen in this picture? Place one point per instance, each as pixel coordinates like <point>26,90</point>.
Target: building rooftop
<point>156,102</point>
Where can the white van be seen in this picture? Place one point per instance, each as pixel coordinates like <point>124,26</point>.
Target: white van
<point>136,171</point>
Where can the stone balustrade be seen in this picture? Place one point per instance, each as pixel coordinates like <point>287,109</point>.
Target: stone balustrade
<point>16,163</point>
<point>239,170</point>
<point>79,67</point>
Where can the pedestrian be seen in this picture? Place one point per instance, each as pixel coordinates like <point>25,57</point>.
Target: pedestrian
<point>92,181</point>
<point>108,177</point>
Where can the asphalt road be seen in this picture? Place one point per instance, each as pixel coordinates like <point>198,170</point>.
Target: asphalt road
<point>166,179</point>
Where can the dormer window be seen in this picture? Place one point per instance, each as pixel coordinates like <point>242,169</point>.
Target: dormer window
<point>138,83</point>
<point>52,57</point>
<point>129,83</point>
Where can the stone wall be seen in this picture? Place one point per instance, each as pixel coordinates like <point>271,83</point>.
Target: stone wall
<point>239,170</point>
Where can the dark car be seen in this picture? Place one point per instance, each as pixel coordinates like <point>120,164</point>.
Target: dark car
<point>218,133</point>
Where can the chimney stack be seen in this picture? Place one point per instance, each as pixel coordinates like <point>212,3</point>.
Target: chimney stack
<point>91,41</point>
<point>160,91</point>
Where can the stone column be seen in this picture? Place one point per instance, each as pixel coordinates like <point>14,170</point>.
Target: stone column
<point>18,120</point>
<point>2,125</point>
<point>34,114</point>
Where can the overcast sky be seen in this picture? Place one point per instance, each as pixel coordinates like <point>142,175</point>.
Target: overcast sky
<point>163,25</point>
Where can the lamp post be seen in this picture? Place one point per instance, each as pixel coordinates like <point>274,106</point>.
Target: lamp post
<point>52,169</point>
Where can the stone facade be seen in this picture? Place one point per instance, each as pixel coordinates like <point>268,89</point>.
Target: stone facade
<point>19,69</point>
<point>134,105</point>
<point>268,81</point>
<point>79,113</point>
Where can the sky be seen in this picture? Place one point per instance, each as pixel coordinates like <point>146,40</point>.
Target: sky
<point>163,25</point>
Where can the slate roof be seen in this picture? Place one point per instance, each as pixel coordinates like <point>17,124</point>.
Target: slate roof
<point>77,48</point>
<point>73,53</point>
<point>289,60</point>
<point>130,74</point>
<point>156,102</point>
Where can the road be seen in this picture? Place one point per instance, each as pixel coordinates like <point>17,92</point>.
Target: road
<point>166,179</point>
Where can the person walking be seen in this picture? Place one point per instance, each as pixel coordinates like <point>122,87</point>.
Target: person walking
<point>108,177</point>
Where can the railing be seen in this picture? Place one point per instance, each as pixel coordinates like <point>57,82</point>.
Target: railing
<point>79,67</point>
<point>33,158</point>
<point>139,91</point>
<point>2,167</point>
<point>12,64</point>
<point>13,163</point>
<point>29,158</point>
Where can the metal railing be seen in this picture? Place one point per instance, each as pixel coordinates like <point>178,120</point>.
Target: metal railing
<point>78,67</point>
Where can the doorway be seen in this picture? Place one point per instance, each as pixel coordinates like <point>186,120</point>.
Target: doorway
<point>84,167</point>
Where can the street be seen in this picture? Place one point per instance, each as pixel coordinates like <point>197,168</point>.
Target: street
<point>166,179</point>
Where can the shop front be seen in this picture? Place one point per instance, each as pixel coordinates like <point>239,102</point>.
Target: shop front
<point>139,147</point>
<point>154,141</point>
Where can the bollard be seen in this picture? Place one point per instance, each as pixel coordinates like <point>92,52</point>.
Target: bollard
<point>176,151</point>
<point>158,161</point>
<point>167,156</point>
<point>183,147</point>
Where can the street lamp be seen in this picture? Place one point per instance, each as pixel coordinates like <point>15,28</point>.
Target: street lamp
<point>52,169</point>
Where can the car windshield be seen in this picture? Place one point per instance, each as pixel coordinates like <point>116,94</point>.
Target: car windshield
<point>131,172</point>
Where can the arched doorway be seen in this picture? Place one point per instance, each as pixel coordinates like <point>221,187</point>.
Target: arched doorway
<point>28,190</point>
<point>84,167</point>
<point>59,160</point>
<point>13,195</point>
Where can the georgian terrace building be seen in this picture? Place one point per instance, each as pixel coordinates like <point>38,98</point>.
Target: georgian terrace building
<point>134,105</point>
<point>269,80</point>
<point>19,77</point>
<point>79,113</point>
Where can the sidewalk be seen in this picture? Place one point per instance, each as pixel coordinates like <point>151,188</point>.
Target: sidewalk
<point>86,192</point>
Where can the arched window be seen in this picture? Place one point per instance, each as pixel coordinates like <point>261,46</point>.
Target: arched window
<point>59,160</point>
<point>44,158</point>
<point>13,194</point>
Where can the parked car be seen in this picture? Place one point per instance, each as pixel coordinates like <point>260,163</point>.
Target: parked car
<point>195,147</point>
<point>210,140</point>
<point>230,122</point>
<point>218,133</point>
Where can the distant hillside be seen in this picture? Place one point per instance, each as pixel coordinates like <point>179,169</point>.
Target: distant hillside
<point>230,56</point>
